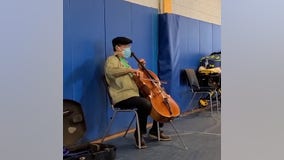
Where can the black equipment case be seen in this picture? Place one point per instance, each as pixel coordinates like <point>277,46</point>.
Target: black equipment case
<point>74,128</point>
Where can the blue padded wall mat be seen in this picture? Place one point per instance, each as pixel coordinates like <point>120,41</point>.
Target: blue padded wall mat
<point>83,58</point>
<point>182,42</point>
<point>88,28</point>
<point>216,38</point>
<point>137,22</point>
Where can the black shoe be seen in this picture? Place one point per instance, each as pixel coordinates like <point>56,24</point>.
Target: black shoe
<point>163,137</point>
<point>143,144</point>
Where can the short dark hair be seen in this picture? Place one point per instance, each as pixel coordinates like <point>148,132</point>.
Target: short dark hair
<point>120,41</point>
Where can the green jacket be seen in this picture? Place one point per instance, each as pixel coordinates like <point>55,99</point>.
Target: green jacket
<point>121,86</point>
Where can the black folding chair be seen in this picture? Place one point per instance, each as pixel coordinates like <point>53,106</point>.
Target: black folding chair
<point>195,88</point>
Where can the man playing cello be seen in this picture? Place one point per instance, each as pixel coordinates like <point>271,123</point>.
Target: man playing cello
<point>124,91</point>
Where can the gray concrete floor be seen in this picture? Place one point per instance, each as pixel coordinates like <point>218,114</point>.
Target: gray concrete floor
<point>200,132</point>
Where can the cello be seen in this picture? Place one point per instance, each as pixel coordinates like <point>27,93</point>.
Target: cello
<point>164,107</point>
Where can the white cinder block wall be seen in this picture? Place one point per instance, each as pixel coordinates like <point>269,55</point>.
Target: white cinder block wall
<point>204,10</point>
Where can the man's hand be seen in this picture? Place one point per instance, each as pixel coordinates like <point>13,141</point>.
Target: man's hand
<point>136,72</point>
<point>143,62</point>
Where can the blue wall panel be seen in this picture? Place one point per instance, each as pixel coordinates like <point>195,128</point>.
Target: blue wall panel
<point>205,38</point>
<point>134,21</point>
<point>67,52</point>
<point>145,36</point>
<point>84,55</point>
<point>178,47</point>
<point>216,38</point>
<point>117,21</point>
<point>182,42</point>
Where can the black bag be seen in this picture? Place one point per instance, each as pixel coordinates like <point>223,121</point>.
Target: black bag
<point>74,128</point>
<point>211,61</point>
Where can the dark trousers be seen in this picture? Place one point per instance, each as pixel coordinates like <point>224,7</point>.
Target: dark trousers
<point>143,106</point>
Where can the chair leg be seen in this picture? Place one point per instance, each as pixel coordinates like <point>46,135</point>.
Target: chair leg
<point>109,126</point>
<point>138,130</point>
<point>129,125</point>
<point>217,101</point>
<point>158,131</point>
<point>211,104</point>
<point>192,98</point>
<point>171,121</point>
